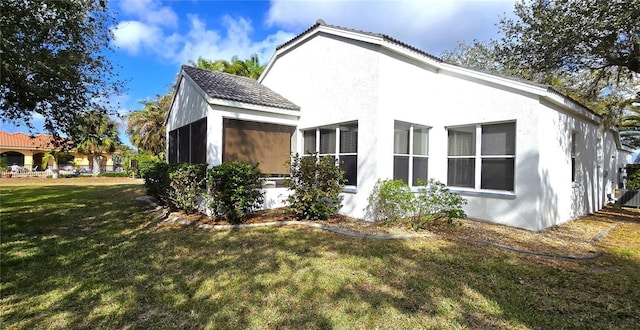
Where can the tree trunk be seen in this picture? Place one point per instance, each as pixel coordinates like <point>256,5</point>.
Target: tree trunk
<point>54,170</point>
<point>97,159</point>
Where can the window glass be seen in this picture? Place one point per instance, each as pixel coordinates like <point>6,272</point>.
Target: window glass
<point>349,163</point>
<point>499,139</point>
<point>309,141</point>
<point>461,172</point>
<point>401,168</point>
<point>420,141</point>
<point>497,174</point>
<point>349,138</point>
<point>401,138</point>
<point>327,140</point>
<point>462,141</point>
<point>348,147</point>
<point>420,165</point>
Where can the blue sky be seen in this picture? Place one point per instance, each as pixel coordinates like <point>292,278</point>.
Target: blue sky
<point>153,38</point>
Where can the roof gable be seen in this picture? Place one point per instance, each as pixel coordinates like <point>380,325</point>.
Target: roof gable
<point>224,86</point>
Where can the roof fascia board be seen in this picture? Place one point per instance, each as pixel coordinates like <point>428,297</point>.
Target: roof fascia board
<point>253,115</point>
<point>570,105</point>
<point>175,94</point>
<point>253,107</point>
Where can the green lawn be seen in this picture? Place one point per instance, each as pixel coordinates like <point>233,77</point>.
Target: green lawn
<point>76,256</point>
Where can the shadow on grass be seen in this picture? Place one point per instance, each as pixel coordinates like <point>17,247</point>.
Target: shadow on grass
<point>102,263</point>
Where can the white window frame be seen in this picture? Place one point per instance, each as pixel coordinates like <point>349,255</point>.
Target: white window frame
<point>478,157</point>
<point>336,153</point>
<point>410,153</point>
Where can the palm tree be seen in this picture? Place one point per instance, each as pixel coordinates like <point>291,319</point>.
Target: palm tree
<point>146,127</point>
<point>248,68</point>
<point>96,134</point>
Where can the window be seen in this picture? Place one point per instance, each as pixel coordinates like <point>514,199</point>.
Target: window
<point>410,153</point>
<point>573,157</point>
<point>482,156</point>
<point>188,144</point>
<point>267,144</point>
<point>337,141</point>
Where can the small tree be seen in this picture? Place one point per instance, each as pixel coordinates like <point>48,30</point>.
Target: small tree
<point>236,189</point>
<point>316,184</point>
<point>94,135</point>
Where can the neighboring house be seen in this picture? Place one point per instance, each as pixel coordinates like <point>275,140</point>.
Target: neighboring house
<point>522,154</point>
<point>26,152</point>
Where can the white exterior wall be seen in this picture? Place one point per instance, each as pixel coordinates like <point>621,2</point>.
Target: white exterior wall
<point>334,82</point>
<point>354,80</point>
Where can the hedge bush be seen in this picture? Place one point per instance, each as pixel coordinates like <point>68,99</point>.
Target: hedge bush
<point>114,174</point>
<point>187,183</point>
<point>157,182</point>
<point>236,190</point>
<point>393,201</point>
<point>316,185</point>
<point>390,200</point>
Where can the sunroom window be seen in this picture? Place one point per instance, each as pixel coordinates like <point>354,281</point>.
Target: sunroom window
<point>188,144</point>
<point>338,141</point>
<point>482,156</point>
<point>410,153</point>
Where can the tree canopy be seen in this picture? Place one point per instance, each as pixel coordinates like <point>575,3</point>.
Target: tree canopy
<point>248,68</point>
<point>94,135</point>
<point>53,61</point>
<point>146,128</point>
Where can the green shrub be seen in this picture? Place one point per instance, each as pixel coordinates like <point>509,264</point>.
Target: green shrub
<point>114,174</point>
<point>236,190</point>
<point>187,184</point>
<point>393,200</point>
<point>316,185</point>
<point>156,181</point>
<point>633,176</point>
<point>434,201</point>
<point>390,200</point>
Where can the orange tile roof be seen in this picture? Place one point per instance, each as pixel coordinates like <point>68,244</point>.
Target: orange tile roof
<point>24,141</point>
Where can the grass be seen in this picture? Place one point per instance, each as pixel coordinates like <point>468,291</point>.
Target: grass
<point>85,255</point>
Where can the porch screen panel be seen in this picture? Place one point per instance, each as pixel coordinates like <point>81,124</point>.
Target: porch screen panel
<point>173,146</point>
<point>199,141</point>
<point>184,145</point>
<point>267,144</point>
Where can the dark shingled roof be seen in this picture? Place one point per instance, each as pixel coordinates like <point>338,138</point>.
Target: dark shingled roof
<point>226,86</point>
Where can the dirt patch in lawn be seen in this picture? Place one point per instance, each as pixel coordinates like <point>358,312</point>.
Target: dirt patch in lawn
<point>575,238</point>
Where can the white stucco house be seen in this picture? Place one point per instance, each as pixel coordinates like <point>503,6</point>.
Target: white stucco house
<point>522,154</point>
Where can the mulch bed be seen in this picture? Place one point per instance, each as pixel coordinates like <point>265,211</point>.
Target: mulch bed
<point>574,238</point>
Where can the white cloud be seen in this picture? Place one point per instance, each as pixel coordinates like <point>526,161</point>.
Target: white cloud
<point>132,35</point>
<point>150,12</point>
<point>432,25</point>
<point>199,41</point>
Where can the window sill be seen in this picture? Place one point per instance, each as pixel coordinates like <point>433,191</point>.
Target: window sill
<point>350,189</point>
<point>484,193</point>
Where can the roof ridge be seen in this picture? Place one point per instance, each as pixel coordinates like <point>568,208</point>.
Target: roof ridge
<point>386,37</point>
